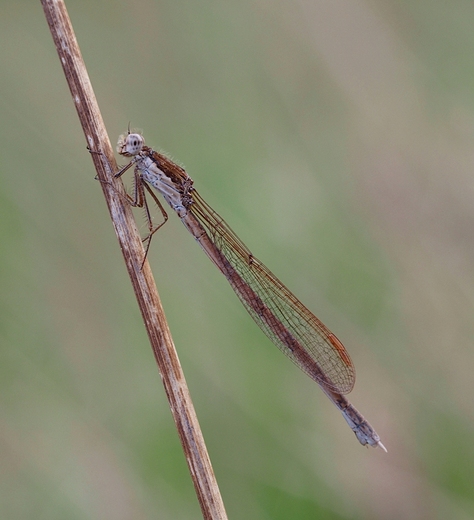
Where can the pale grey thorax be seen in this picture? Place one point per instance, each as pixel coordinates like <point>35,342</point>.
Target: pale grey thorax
<point>161,182</point>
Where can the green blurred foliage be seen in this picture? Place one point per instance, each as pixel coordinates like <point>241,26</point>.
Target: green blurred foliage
<point>336,139</point>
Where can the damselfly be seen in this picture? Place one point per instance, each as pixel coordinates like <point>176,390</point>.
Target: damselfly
<point>281,316</point>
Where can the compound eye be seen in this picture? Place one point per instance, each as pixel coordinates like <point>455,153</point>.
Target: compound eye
<point>134,143</point>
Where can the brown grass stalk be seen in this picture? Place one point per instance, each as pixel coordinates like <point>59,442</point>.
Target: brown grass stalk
<point>131,245</point>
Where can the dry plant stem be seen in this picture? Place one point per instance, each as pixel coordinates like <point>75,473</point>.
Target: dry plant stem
<point>142,279</point>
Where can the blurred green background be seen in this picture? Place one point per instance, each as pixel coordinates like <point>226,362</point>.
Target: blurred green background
<point>336,138</point>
